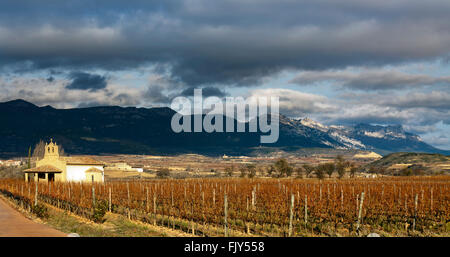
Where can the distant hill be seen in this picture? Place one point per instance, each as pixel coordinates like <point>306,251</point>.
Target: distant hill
<point>412,158</point>
<point>425,161</point>
<point>114,129</point>
<point>380,139</point>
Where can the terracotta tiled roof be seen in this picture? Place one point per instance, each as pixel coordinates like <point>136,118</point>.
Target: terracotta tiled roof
<point>44,168</point>
<point>81,160</point>
<point>93,170</point>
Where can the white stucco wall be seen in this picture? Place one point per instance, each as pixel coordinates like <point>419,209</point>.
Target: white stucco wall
<point>77,172</point>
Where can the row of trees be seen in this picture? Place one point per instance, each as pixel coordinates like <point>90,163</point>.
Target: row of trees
<point>282,168</point>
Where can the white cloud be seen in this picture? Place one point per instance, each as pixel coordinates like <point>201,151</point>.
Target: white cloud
<point>295,103</point>
<point>41,92</point>
<point>439,140</point>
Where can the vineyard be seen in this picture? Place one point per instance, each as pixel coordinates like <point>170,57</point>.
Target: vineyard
<point>262,207</point>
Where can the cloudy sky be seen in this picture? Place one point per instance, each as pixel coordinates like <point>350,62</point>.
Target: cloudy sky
<point>336,61</point>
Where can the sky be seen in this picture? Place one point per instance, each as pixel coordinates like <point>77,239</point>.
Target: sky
<point>336,61</point>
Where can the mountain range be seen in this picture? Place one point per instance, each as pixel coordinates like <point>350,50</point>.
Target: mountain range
<point>131,130</point>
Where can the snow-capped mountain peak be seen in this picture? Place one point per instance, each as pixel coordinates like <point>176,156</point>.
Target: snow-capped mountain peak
<point>314,124</point>
<point>361,136</point>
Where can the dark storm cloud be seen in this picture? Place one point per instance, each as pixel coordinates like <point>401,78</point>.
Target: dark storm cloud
<point>155,94</point>
<point>423,108</point>
<point>381,114</point>
<point>86,81</point>
<point>434,100</point>
<point>371,79</point>
<point>438,100</point>
<point>223,42</point>
<point>206,92</point>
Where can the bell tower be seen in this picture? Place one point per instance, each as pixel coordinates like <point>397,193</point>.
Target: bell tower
<point>51,150</point>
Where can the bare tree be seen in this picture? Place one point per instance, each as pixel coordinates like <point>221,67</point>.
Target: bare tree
<point>163,173</point>
<point>353,169</point>
<point>328,168</point>
<point>299,171</point>
<point>271,170</point>
<point>243,171</point>
<point>283,168</point>
<point>319,171</point>
<point>229,171</point>
<point>341,166</point>
<point>261,170</point>
<point>251,168</point>
<point>39,150</point>
<point>308,169</point>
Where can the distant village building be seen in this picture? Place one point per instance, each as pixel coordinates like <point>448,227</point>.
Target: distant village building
<point>370,175</point>
<point>123,166</point>
<point>138,168</point>
<point>64,169</point>
<point>10,163</point>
